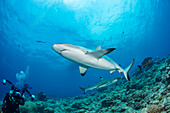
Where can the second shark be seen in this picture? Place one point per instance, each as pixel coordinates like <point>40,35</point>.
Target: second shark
<point>102,83</point>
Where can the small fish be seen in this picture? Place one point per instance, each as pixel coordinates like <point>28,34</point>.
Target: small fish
<point>39,41</point>
<point>145,62</point>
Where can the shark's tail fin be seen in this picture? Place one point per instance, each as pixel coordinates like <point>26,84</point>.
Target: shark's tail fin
<point>83,89</point>
<point>126,71</point>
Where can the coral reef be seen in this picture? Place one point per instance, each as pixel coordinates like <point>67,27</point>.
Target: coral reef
<point>147,92</point>
<point>41,96</point>
<point>0,110</point>
<point>29,107</point>
<point>153,109</point>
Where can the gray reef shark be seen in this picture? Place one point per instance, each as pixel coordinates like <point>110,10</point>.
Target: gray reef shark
<point>87,58</point>
<point>102,83</point>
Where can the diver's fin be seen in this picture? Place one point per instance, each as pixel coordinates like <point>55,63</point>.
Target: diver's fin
<point>101,78</point>
<point>83,89</point>
<point>83,70</point>
<point>100,53</point>
<point>98,48</point>
<point>126,71</point>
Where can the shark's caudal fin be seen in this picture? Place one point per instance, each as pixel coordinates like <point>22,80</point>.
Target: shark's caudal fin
<point>126,71</point>
<point>83,89</point>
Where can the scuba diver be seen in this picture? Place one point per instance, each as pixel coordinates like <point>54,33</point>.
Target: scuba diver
<point>14,98</point>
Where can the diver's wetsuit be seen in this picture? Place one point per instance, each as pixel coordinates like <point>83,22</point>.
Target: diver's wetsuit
<point>11,103</point>
<point>13,99</point>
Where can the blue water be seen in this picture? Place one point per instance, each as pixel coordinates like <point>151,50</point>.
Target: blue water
<point>136,28</point>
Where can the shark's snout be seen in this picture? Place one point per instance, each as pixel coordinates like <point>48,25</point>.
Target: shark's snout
<point>54,46</point>
<point>58,48</point>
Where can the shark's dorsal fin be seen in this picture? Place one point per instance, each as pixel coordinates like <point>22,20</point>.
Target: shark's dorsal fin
<point>98,48</point>
<point>101,78</point>
<point>100,53</point>
<point>83,70</point>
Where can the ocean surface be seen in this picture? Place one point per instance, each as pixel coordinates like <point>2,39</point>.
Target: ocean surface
<point>28,29</point>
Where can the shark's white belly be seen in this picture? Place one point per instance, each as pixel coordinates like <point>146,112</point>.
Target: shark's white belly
<point>84,59</point>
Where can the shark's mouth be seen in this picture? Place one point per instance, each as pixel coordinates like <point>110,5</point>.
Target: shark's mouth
<point>63,50</point>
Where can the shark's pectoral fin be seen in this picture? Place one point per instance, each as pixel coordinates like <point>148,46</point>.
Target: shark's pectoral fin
<point>83,70</point>
<point>100,53</point>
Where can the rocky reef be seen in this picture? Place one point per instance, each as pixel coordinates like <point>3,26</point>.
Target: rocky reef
<point>147,92</point>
